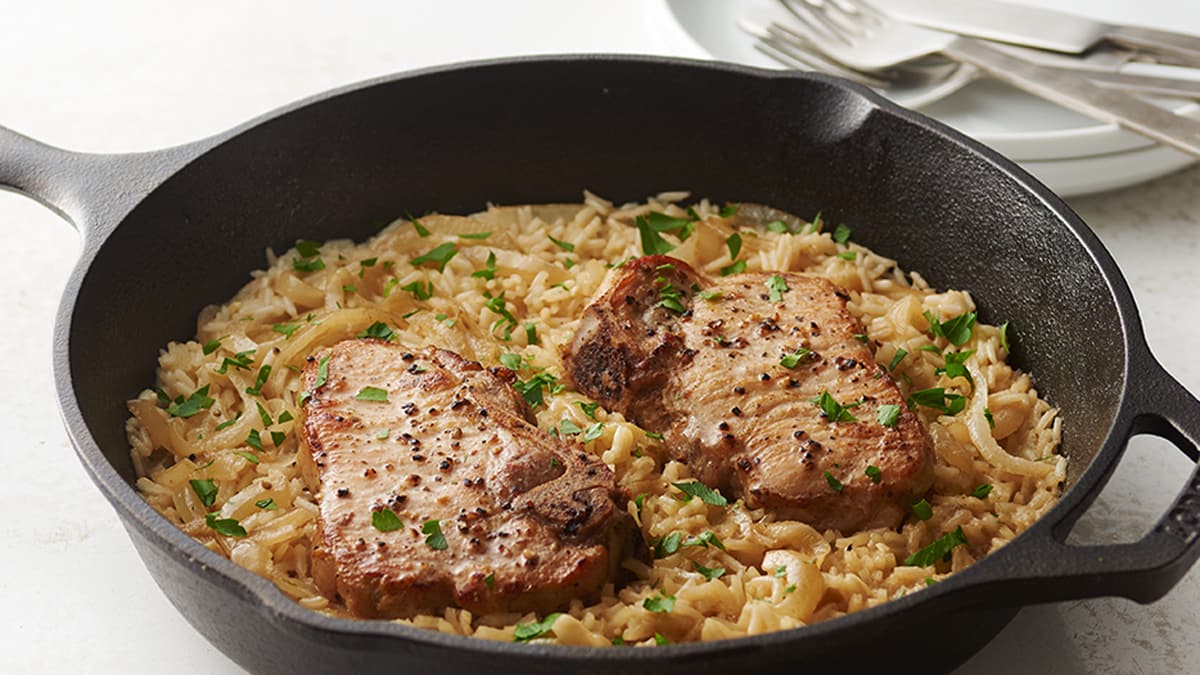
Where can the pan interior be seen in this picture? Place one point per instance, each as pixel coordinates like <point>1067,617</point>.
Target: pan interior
<point>544,131</point>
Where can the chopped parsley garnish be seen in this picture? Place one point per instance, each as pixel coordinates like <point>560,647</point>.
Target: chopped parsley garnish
<point>210,346</point>
<point>254,440</point>
<point>794,359</point>
<point>705,493</point>
<point>728,210</point>
<point>670,297</point>
<point>781,572</point>
<point>267,504</point>
<point>434,538</point>
<point>409,315</point>
<point>862,337</point>
<point>228,423</point>
<point>939,399</point>
<point>568,247</point>
<point>653,434</point>
<point>833,482</point>
<point>709,573</point>
<point>956,366</point>
<point>497,305</point>
<point>489,271</point>
<point>394,282</point>
<point>847,255</point>
<point>163,399</point>
<point>378,330</point>
<point>938,550</point>
<point>525,632</point>
<point>778,226</point>
<point>710,295</point>
<point>841,234</point>
<point>263,374</point>
<point>349,288</point>
<point>588,409</point>
<point>639,501</point>
<point>419,290</point>
<point>680,227</point>
<point>263,414</point>
<point>777,285</point>
<point>278,437</point>
<point>734,243</point>
<point>386,520</point>
<point>1003,336</point>
<point>737,267</point>
<point>511,361</point>
<point>889,415</point>
<point>383,434</point>
<point>982,491</point>
<point>957,330</point>
<point>199,400</point>
<point>421,231</point>
<point>490,580</point>
<point>834,411</point>
<point>439,317</point>
<point>308,248</point>
<point>569,428</point>
<point>248,456</point>
<point>922,510</point>
<point>987,415</point>
<point>705,539</point>
<point>308,264</point>
<point>475,235</point>
<point>531,389</point>
<point>285,416</point>
<point>372,394</point>
<point>592,432</point>
<point>322,372</point>
<point>873,473</point>
<point>659,603</point>
<point>668,545</point>
<point>228,527</point>
<point>531,337</point>
<point>897,358</point>
<point>206,490</point>
<point>930,348</point>
<point>659,640</point>
<point>439,255</point>
<point>240,360</point>
<point>286,329</point>
<point>652,241</point>
<point>929,581</point>
<point>363,265</point>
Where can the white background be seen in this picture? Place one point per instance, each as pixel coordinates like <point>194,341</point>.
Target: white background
<point>136,75</point>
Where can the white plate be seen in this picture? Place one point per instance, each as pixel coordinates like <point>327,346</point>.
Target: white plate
<point>1019,126</point>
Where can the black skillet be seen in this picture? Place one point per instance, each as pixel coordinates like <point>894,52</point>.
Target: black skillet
<point>168,232</point>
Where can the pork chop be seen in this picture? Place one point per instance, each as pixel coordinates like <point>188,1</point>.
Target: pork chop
<point>733,371</point>
<point>436,489</point>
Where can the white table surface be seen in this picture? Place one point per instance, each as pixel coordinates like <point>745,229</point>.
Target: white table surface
<point>136,75</point>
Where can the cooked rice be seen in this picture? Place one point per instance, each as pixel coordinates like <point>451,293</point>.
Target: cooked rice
<point>779,574</point>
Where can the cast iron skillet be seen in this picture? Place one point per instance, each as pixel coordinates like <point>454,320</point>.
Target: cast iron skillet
<point>165,233</point>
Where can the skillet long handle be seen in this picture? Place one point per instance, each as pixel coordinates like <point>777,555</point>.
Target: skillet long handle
<point>1074,91</point>
<point>1049,569</point>
<point>93,192</point>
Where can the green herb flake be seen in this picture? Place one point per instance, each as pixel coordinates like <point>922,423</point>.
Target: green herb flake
<point>670,297</point>
<point>888,415</point>
<point>873,473</point>
<point>779,227</point>
<point>285,416</point>
<point>938,550</point>
<point>240,360</point>
<point>956,366</point>
<point>228,423</point>
<point>847,255</point>
<point>489,271</point>
<point>308,264</point>
<point>532,389</point>
<point>930,348</point>
<point>734,243</point>
<point>228,527</point>
<point>263,374</point>
<point>705,539</point>
<point>897,358</point>
<point>475,235</point>
<point>490,580</point>
<point>592,432</point>
<point>639,501</point>
<point>363,265</point>
<point>737,267</point>
<point>841,234</point>
<point>421,230</point>
<point>659,640</point>
<point>254,440</point>
<point>419,290</point>
<point>588,409</point>
<point>378,330</point>
<point>248,456</point>
<point>278,437</point>
<point>372,394</point>
<point>709,573</point>
<point>386,520</point>
<point>922,510</point>
<point>659,603</point>
<point>267,504</point>
<point>569,428</point>
<point>833,482</point>
<point>781,572</point>
<point>987,415</point>
<point>792,360</point>
<point>511,361</point>
<point>957,331</point>
<point>531,336</point>
<point>652,241</point>
<point>653,434</point>
<point>197,401</point>
<point>982,491</point>
<point>210,346</point>
<point>322,372</point>
<point>286,329</point>
<point>206,490</point>
<point>729,210</point>
<point>832,410</point>
<point>1003,336</point>
<point>349,288</point>
<point>680,227</point>
<point>434,538</point>
<point>568,247</point>
<point>929,581</point>
<point>568,263</point>
<point>703,492</point>
<point>937,398</point>
<point>777,286</point>
<point>308,248</point>
<point>439,255</point>
<point>524,632</point>
<point>263,414</point>
<point>668,545</point>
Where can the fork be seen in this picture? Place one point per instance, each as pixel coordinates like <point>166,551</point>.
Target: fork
<point>853,34</point>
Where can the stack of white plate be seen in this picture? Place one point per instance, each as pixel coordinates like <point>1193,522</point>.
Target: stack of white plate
<point>1069,152</point>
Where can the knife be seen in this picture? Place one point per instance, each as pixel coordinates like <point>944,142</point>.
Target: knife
<point>1042,28</point>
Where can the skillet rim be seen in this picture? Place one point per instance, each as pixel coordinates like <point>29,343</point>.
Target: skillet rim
<point>272,602</point>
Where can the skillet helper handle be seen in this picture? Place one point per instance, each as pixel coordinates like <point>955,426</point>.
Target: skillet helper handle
<point>1073,90</point>
<point>1165,46</point>
<point>1049,569</point>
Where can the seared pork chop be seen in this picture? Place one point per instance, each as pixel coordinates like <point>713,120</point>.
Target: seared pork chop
<point>436,489</point>
<point>732,372</point>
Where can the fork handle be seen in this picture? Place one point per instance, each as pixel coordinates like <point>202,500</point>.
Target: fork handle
<point>1165,47</point>
<point>1073,91</point>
